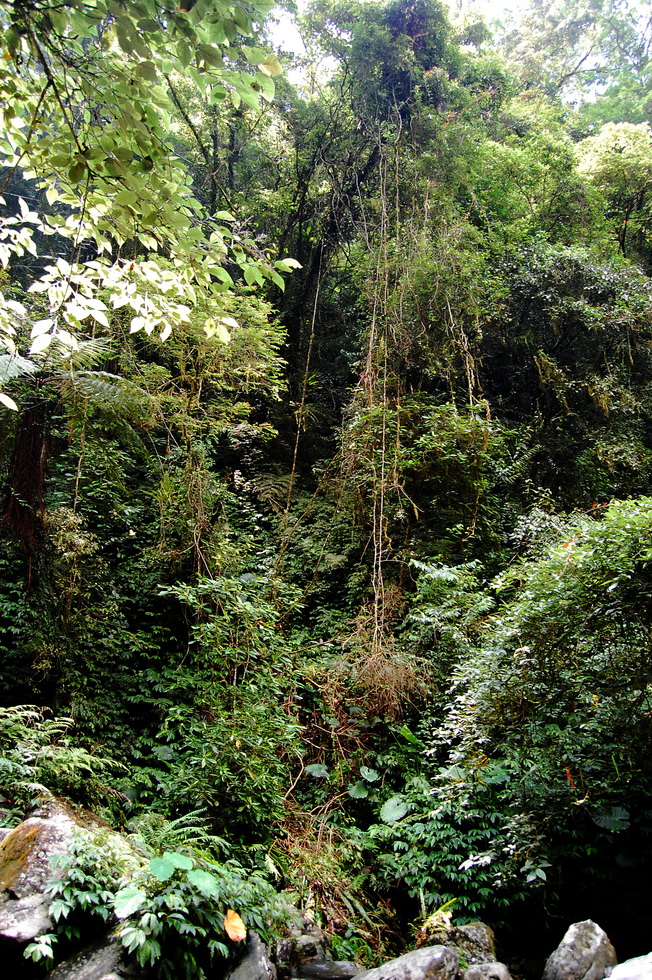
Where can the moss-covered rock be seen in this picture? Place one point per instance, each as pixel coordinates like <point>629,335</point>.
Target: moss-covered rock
<point>25,852</point>
<point>25,868</point>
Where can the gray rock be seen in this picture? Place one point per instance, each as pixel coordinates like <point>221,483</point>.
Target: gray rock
<point>427,963</point>
<point>22,919</point>
<point>285,951</point>
<point>328,970</point>
<point>639,968</point>
<point>25,867</point>
<point>255,964</point>
<point>26,850</point>
<point>307,957</point>
<point>302,925</point>
<point>473,942</point>
<point>487,971</point>
<point>584,953</point>
<point>309,947</point>
<point>98,962</point>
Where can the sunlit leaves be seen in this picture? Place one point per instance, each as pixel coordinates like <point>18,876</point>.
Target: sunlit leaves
<point>205,882</point>
<point>129,900</point>
<point>88,116</point>
<point>265,62</point>
<point>8,402</point>
<point>219,328</point>
<point>12,315</point>
<point>16,235</point>
<point>157,294</point>
<point>619,156</point>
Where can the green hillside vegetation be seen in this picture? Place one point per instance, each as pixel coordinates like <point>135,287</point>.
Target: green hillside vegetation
<point>326,451</point>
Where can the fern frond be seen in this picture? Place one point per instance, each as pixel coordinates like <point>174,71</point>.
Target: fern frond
<point>14,366</point>
<point>90,353</point>
<point>113,395</point>
<point>155,832</point>
<point>59,361</point>
<point>271,489</point>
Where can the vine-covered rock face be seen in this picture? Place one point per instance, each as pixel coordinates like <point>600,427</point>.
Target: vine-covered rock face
<point>25,868</point>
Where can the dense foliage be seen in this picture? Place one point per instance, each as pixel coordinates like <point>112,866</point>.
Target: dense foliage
<point>336,582</point>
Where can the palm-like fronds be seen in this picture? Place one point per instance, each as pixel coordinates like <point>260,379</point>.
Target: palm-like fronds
<point>113,395</point>
<point>14,366</point>
<point>154,833</point>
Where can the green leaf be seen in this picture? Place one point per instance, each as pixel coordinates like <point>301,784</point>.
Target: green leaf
<point>207,883</point>
<point>271,66</point>
<point>253,276</point>
<point>410,736</point>
<point>162,868</point>
<point>211,55</point>
<point>369,774</point>
<point>148,26</point>
<point>287,265</point>
<point>147,70</point>
<point>77,172</point>
<point>613,818</point>
<point>241,18</point>
<point>317,770</point>
<point>359,790</point>
<point>393,809</point>
<point>181,861</point>
<point>265,85</point>
<point>128,900</point>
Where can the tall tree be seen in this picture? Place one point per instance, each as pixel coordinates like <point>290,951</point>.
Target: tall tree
<point>573,47</point>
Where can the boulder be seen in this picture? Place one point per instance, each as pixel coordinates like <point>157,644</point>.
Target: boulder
<point>255,964</point>
<point>22,919</point>
<point>473,942</point>
<point>25,868</point>
<point>309,946</point>
<point>26,850</point>
<point>584,953</point>
<point>299,950</point>
<point>487,971</point>
<point>328,970</point>
<point>427,963</point>
<point>102,961</point>
<point>639,968</point>
<point>306,956</point>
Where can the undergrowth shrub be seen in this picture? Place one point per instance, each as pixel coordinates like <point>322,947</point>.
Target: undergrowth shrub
<point>227,724</point>
<point>168,910</point>
<point>541,758</point>
<point>38,754</point>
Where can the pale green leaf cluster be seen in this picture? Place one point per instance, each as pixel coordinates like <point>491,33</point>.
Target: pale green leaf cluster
<point>87,116</point>
<point>619,158</point>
